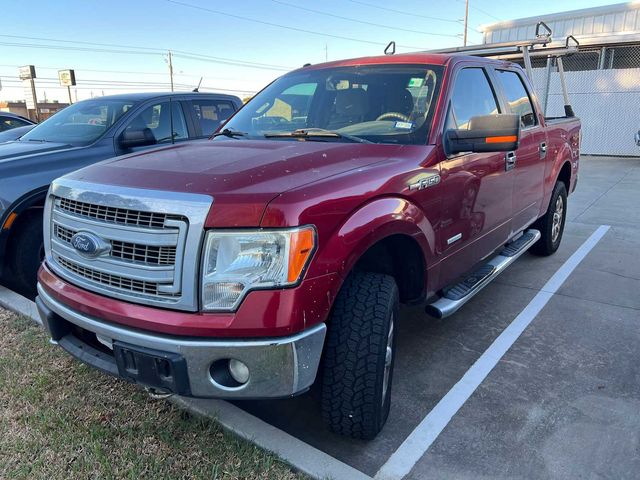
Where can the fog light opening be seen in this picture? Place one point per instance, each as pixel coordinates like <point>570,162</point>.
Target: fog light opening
<point>229,373</point>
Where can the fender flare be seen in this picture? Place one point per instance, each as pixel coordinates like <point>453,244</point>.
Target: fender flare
<point>366,226</point>
<point>563,157</point>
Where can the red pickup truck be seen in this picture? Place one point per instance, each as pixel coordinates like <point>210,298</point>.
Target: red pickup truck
<point>275,255</point>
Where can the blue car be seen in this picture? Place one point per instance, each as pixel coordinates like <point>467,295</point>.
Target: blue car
<point>80,135</point>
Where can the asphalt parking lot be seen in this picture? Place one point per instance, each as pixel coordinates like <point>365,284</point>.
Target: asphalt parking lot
<point>563,402</point>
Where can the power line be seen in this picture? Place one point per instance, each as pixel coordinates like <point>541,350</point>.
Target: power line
<point>67,47</point>
<point>128,72</point>
<point>363,22</point>
<point>48,83</point>
<point>286,27</point>
<point>127,49</point>
<point>401,12</point>
<point>478,9</point>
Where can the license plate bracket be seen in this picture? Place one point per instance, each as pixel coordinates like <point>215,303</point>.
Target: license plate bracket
<point>152,368</point>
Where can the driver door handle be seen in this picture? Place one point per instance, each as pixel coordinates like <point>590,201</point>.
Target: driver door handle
<point>543,150</point>
<point>510,161</point>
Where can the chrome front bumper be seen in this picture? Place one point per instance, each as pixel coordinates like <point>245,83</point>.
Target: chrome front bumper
<point>279,367</point>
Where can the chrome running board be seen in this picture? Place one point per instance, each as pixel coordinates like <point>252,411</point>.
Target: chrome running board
<point>457,295</point>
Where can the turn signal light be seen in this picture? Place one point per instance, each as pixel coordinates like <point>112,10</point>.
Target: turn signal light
<point>503,139</point>
<point>300,250</point>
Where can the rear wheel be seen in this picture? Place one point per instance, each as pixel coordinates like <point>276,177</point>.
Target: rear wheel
<point>26,252</point>
<point>359,356</point>
<point>551,225</point>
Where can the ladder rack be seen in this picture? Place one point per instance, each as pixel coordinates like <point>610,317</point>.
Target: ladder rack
<point>525,50</point>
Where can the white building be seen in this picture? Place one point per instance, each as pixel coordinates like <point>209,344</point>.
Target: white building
<point>603,78</point>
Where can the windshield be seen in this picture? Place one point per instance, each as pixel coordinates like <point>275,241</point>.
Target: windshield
<point>79,124</point>
<point>376,103</point>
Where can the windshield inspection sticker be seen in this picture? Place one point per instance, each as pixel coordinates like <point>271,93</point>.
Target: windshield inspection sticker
<point>415,82</point>
<point>404,125</point>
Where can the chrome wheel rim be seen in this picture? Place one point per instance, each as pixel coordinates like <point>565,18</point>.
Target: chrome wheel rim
<point>388,358</point>
<point>558,215</point>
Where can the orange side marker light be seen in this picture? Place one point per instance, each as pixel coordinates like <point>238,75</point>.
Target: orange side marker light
<point>9,221</point>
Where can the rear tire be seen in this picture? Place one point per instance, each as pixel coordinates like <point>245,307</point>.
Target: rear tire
<point>26,252</point>
<point>359,356</point>
<point>551,225</point>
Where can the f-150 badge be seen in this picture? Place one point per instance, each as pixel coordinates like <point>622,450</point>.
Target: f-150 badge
<point>425,182</point>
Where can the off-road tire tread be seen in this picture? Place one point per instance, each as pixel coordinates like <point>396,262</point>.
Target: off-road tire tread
<point>354,357</point>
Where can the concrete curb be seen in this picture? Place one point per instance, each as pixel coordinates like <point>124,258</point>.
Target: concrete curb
<point>295,452</point>
<point>301,456</point>
<point>19,304</point>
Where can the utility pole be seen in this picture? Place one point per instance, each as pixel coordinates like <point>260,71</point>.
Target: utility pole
<point>35,99</point>
<point>326,52</point>
<point>466,20</point>
<point>171,70</point>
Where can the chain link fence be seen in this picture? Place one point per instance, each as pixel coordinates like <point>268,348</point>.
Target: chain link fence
<point>604,90</point>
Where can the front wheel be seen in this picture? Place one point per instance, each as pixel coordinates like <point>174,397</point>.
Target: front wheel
<point>26,252</point>
<point>551,225</point>
<point>359,356</point>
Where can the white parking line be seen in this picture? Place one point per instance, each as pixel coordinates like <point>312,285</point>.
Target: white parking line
<point>423,436</point>
<point>300,455</point>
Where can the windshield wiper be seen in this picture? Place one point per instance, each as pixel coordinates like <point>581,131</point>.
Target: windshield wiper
<point>228,133</point>
<point>315,133</point>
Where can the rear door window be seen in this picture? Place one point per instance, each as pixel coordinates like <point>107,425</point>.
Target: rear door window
<point>472,96</point>
<point>517,96</point>
<point>211,113</point>
<point>159,119</point>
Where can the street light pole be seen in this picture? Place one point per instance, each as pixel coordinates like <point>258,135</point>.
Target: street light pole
<point>466,20</point>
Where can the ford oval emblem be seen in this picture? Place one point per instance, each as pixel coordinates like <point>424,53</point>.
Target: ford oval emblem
<point>89,245</point>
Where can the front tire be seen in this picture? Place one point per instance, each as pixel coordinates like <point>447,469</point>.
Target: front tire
<point>26,252</point>
<point>359,356</point>
<point>551,225</point>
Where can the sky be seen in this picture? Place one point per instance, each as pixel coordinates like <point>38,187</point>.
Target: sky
<point>121,45</point>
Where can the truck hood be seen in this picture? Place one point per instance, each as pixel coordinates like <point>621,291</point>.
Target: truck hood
<point>242,176</point>
<point>14,150</point>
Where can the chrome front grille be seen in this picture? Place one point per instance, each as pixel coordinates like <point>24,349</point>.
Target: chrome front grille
<point>123,216</point>
<point>133,252</point>
<point>149,254</point>
<point>114,281</point>
<point>149,241</point>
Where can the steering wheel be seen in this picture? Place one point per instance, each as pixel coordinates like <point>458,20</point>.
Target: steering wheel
<point>388,115</point>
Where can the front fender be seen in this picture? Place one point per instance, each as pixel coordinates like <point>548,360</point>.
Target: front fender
<point>368,225</point>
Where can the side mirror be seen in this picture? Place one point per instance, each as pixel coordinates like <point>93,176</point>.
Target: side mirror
<point>136,138</point>
<point>487,133</point>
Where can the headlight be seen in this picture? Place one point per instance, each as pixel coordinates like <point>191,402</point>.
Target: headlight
<point>235,262</point>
